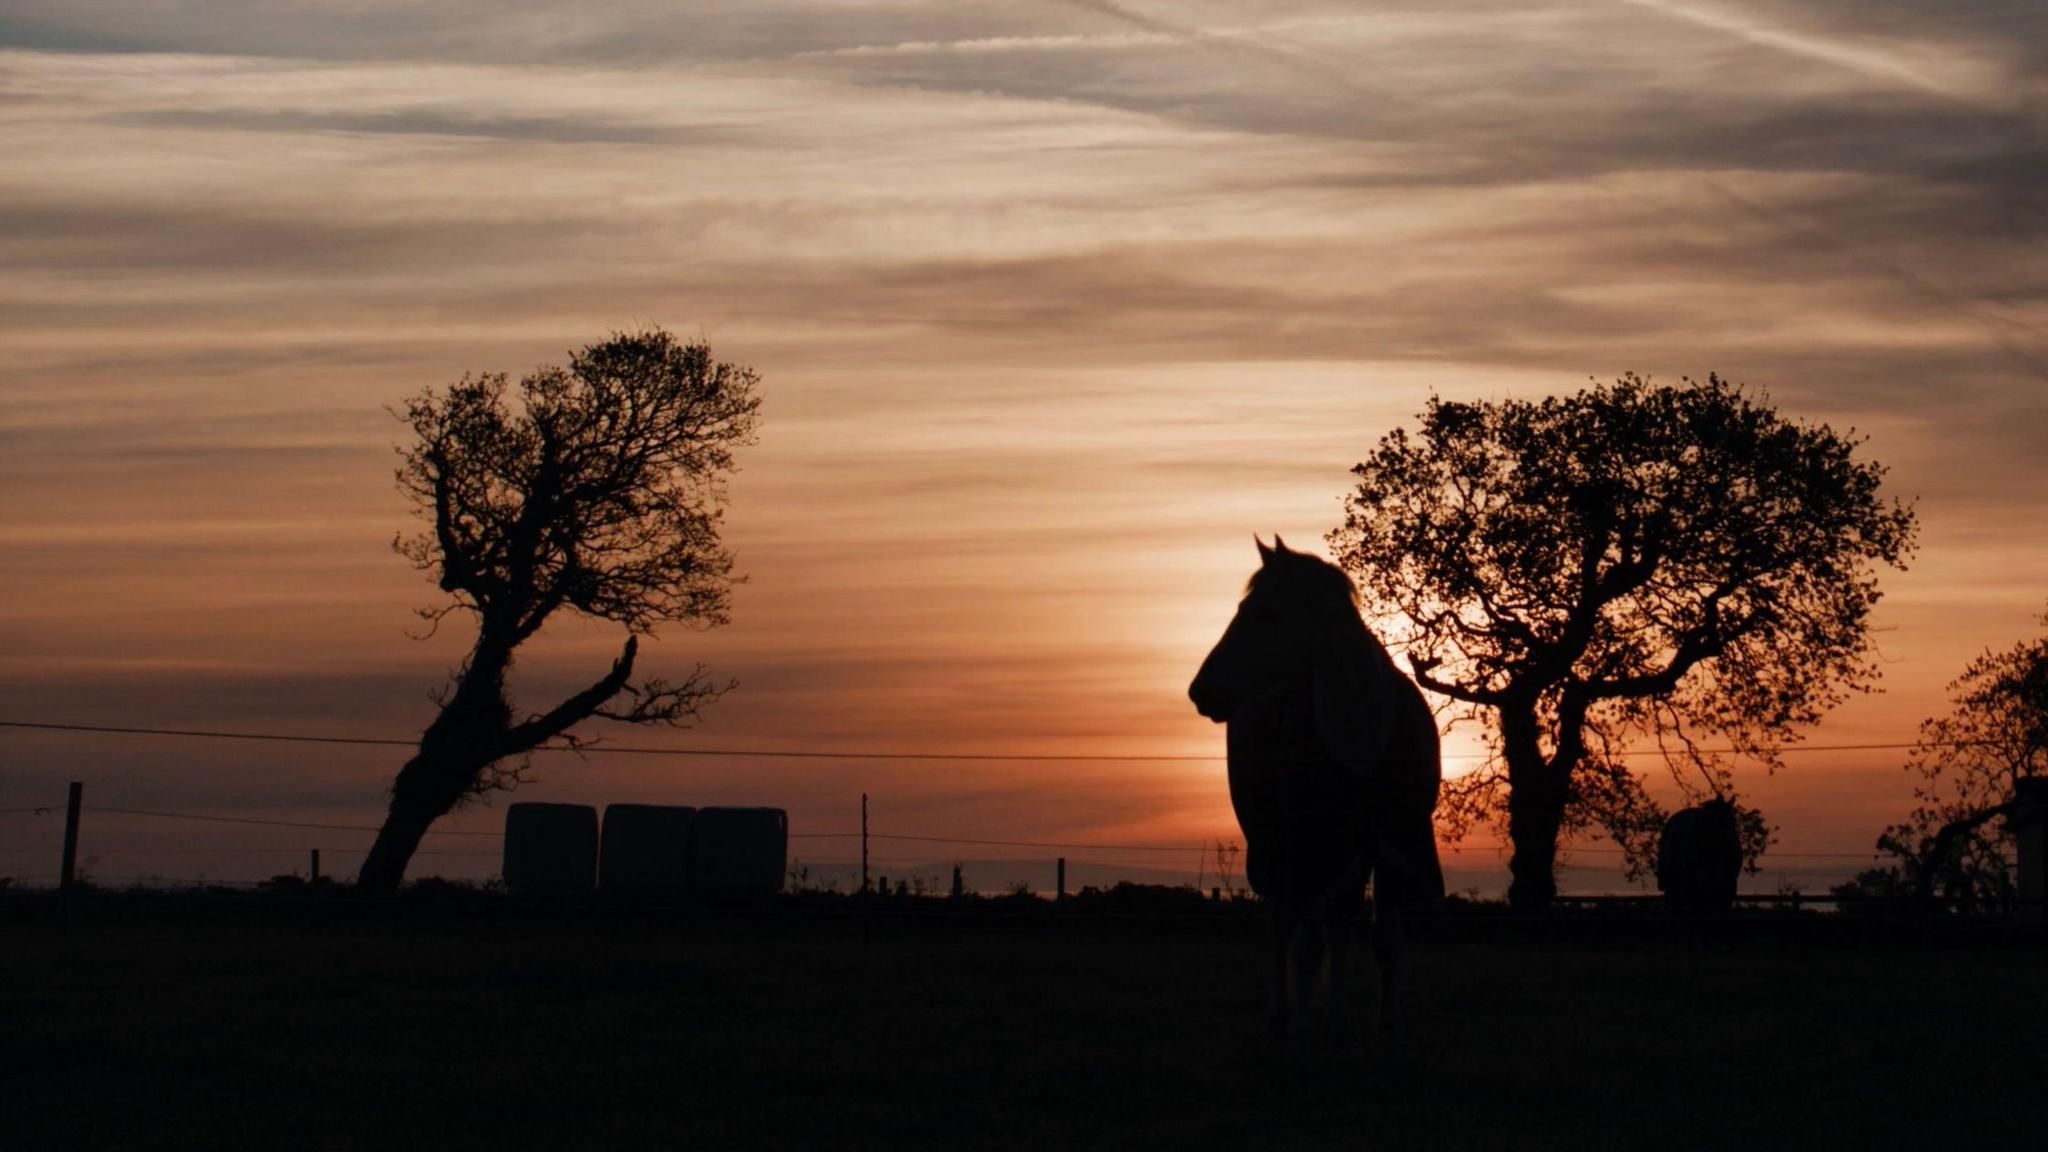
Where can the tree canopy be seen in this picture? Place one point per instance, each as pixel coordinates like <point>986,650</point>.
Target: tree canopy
<point>597,489</point>
<point>1672,562</point>
<point>1956,844</point>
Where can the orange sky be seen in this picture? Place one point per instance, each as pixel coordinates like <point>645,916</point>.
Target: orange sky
<point>1055,305</point>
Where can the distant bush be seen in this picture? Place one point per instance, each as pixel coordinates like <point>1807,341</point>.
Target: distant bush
<point>1129,897</point>
<point>1875,890</point>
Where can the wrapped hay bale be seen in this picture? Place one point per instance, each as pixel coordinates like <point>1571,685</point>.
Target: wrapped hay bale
<point>646,849</point>
<point>550,849</point>
<point>739,853</point>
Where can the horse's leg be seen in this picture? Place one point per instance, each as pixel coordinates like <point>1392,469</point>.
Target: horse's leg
<point>1389,947</point>
<point>1308,966</point>
<point>1339,931</point>
<point>1281,934</point>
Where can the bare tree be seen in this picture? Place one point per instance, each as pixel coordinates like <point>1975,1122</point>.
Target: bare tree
<point>598,491</point>
<point>1956,844</point>
<point>1634,560</point>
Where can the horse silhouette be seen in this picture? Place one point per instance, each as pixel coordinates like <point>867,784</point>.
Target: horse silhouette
<point>1334,773</point>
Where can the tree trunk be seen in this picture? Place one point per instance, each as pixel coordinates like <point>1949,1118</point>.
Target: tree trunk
<point>473,731</point>
<point>384,867</point>
<point>1536,796</point>
<point>427,789</point>
<point>1532,827</point>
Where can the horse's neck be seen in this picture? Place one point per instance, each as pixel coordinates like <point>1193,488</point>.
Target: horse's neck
<point>1279,724</point>
<point>1371,641</point>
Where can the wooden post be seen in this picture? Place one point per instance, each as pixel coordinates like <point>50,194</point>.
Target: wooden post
<point>867,915</point>
<point>2029,827</point>
<point>314,876</point>
<point>1061,883</point>
<point>68,873</point>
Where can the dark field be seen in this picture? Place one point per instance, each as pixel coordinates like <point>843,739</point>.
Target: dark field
<point>161,1024</point>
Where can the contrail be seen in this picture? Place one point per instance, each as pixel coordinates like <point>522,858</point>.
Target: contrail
<point>1959,303</point>
<point>1252,45</point>
<point>1864,62</point>
<point>1306,62</point>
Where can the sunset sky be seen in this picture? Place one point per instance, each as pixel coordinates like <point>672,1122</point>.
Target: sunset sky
<point>1054,304</point>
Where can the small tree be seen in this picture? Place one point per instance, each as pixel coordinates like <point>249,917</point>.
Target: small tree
<point>1956,844</point>
<point>1633,560</point>
<point>599,491</point>
<point>1227,854</point>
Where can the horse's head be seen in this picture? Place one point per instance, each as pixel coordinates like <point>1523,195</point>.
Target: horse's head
<point>1296,610</point>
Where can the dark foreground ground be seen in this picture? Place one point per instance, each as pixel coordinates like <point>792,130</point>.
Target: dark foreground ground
<point>167,1024</point>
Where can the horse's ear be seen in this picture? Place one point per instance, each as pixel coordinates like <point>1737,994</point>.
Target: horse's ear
<point>1279,545</point>
<point>1351,702</point>
<point>1265,553</point>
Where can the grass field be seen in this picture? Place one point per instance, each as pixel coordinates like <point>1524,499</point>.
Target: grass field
<point>161,1024</point>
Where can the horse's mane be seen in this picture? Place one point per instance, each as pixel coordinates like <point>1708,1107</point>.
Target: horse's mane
<point>1299,574</point>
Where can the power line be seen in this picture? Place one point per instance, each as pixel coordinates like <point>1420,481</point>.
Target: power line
<point>1183,848</point>
<point>608,749</point>
<point>813,754</point>
<point>295,850</point>
<point>1452,850</point>
<point>269,823</point>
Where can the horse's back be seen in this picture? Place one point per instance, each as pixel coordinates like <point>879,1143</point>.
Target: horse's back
<point>1307,819</point>
<point>1699,858</point>
<point>1303,822</point>
<point>1410,871</point>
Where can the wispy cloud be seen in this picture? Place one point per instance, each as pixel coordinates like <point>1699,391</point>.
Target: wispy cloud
<point>991,45</point>
<point>1950,73</point>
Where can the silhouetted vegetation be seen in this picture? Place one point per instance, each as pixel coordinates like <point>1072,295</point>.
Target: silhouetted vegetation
<point>1957,843</point>
<point>597,492</point>
<point>1874,890</point>
<point>1677,562</point>
<point>1125,896</point>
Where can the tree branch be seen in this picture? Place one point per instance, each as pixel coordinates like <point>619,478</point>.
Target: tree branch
<point>577,708</point>
<point>1934,863</point>
<point>1703,642</point>
<point>457,574</point>
<point>1425,666</point>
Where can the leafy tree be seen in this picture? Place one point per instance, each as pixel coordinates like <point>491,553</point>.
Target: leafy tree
<point>597,491</point>
<point>1635,560</point>
<point>1956,844</point>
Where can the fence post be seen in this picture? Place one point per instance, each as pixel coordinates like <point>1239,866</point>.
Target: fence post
<point>867,905</point>
<point>2029,826</point>
<point>1062,879</point>
<point>314,876</point>
<point>68,873</point>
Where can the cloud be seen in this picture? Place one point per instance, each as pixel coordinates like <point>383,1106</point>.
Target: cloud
<point>1953,76</point>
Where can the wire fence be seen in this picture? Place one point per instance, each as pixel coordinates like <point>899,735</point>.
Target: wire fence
<point>1209,863</point>
<point>918,857</point>
<point>598,748</point>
